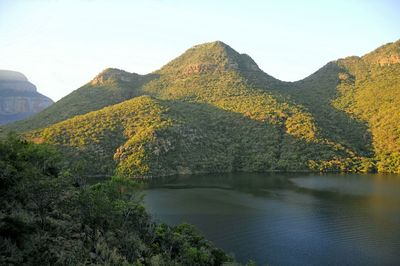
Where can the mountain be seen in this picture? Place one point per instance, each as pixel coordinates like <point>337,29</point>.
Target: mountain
<point>213,109</point>
<point>109,87</point>
<point>18,97</point>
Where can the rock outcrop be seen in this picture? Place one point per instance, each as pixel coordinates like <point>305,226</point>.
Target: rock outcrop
<point>18,97</point>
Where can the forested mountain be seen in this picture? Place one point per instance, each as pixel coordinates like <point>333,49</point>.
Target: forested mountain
<point>214,110</point>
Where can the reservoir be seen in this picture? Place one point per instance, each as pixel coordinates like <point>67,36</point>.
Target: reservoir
<point>288,219</point>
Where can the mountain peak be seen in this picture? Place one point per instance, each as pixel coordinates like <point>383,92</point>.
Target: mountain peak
<point>9,75</point>
<point>208,58</point>
<point>15,81</point>
<point>213,46</point>
<point>111,75</point>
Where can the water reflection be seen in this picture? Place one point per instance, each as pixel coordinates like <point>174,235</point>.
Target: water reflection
<point>288,219</point>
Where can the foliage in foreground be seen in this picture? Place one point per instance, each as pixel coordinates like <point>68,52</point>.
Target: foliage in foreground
<point>48,217</point>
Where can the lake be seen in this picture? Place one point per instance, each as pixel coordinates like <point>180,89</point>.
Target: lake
<point>288,219</point>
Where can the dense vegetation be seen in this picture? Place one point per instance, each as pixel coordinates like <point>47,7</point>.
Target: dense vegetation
<point>213,110</point>
<point>50,217</point>
<point>370,91</point>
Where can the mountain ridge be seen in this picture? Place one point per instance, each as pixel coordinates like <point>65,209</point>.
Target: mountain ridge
<point>314,124</point>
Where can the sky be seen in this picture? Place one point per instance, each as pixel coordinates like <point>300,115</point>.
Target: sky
<point>61,45</point>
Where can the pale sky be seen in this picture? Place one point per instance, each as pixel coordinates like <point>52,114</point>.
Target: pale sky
<point>61,45</point>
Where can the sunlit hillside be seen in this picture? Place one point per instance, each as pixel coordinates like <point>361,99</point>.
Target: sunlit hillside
<point>214,110</point>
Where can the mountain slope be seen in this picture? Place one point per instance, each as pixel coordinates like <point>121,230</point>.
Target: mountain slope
<point>213,110</point>
<point>317,93</point>
<point>111,86</point>
<point>150,137</point>
<point>373,95</point>
<point>355,102</point>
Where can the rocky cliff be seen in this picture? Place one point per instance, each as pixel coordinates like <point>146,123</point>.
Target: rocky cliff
<point>18,97</point>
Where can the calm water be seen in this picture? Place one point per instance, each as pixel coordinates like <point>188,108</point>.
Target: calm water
<point>288,219</point>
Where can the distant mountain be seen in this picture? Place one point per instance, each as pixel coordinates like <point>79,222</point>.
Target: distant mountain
<point>18,97</point>
<point>213,109</point>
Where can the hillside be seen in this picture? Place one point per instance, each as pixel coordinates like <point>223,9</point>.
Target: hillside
<point>109,87</point>
<point>213,109</point>
<point>370,91</point>
<point>149,137</point>
<point>355,101</point>
<point>19,98</point>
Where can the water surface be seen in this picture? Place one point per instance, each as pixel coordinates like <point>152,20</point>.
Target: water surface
<point>288,219</point>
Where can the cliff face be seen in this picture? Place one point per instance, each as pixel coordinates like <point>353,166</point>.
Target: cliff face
<point>18,97</point>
